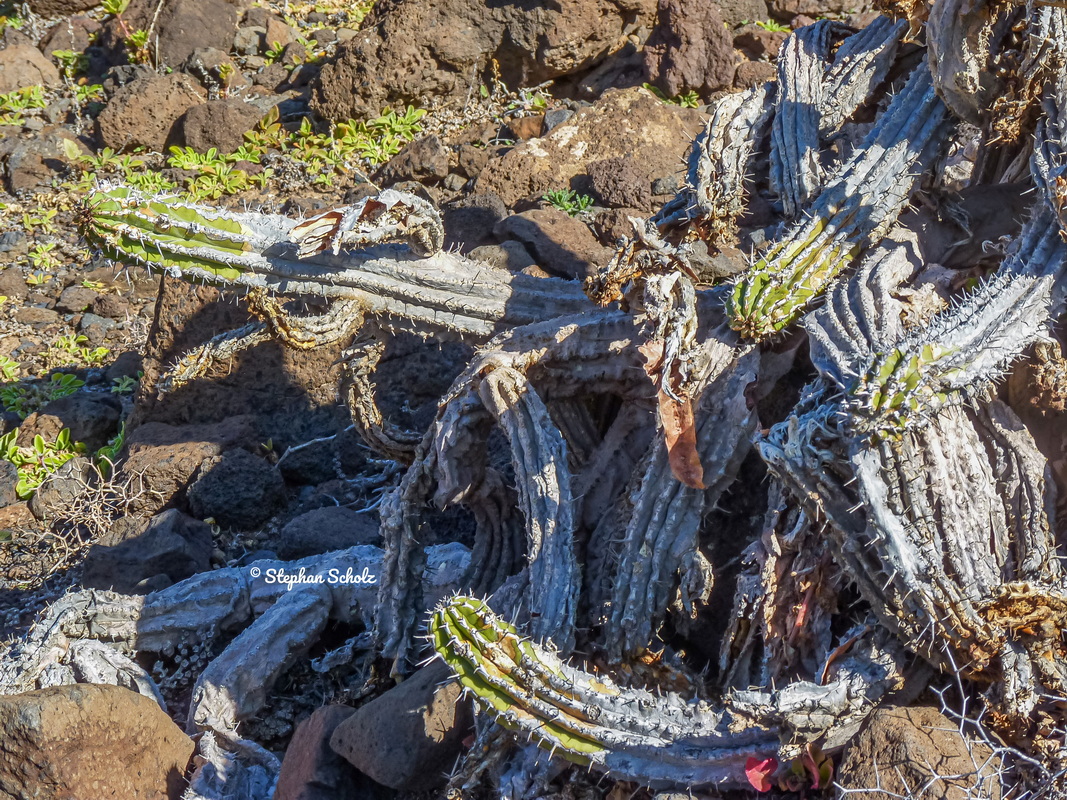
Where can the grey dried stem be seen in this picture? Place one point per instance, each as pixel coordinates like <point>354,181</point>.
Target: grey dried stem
<point>898,471</point>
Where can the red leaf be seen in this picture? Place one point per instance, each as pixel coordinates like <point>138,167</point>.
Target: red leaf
<point>820,766</point>
<point>759,772</point>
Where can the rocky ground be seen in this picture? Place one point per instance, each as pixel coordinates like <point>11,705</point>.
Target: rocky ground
<point>537,130</point>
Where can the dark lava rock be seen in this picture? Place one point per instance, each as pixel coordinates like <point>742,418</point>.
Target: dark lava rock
<point>623,122</point>
<point>759,43</point>
<point>326,529</point>
<point>621,183</point>
<point>310,465</point>
<point>561,244</point>
<point>75,299</point>
<point>9,478</point>
<point>556,117</point>
<point>171,544</point>
<point>36,316</point>
<point>143,111</point>
<point>22,64</point>
<point>886,754</point>
<point>510,255</point>
<point>216,123</point>
<point>788,9</point>
<point>410,51</point>
<point>36,161</point>
<point>690,49</point>
<point>523,128</point>
<point>74,34</point>
<point>126,364</point>
<point>182,27</point>
<point>469,222</point>
<point>266,380</point>
<point>408,738</point>
<point>736,12</point>
<point>112,306</point>
<point>61,8</point>
<point>311,770</point>
<point>422,159</point>
<point>164,457</point>
<point>91,742</point>
<point>207,65</point>
<point>93,418</point>
<point>237,489</point>
<point>59,489</point>
<point>614,224</point>
<point>753,73</point>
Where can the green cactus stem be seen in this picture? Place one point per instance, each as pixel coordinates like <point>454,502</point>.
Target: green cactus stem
<point>856,208</point>
<point>436,293</point>
<point>588,719</point>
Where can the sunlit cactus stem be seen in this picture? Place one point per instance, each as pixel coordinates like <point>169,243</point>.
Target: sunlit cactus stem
<point>856,208</point>
<point>588,719</point>
<point>388,266</point>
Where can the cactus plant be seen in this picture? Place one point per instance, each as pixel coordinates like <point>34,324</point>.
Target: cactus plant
<point>931,497</point>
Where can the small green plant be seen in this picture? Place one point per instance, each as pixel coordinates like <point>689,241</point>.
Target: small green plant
<point>188,158</point>
<point>151,181</point>
<point>137,44</point>
<point>274,52</point>
<point>268,133</point>
<point>43,221</point>
<point>568,200</point>
<point>9,369</point>
<point>261,179</point>
<point>87,161</point>
<point>126,384</point>
<point>42,257</point>
<point>71,63</point>
<point>529,101</point>
<point>214,182</point>
<point>227,74</point>
<point>88,93</point>
<point>775,27</point>
<point>36,279</point>
<point>72,349</point>
<point>36,462</point>
<point>107,455</point>
<point>15,103</point>
<point>10,16</point>
<point>136,40</point>
<point>26,397</point>
<point>688,99</point>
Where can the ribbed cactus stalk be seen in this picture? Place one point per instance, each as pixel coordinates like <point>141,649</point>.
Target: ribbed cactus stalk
<point>937,524</point>
<point>654,738</point>
<point>585,718</point>
<point>396,276</point>
<point>855,209</point>
<point>897,382</point>
<point>964,350</point>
